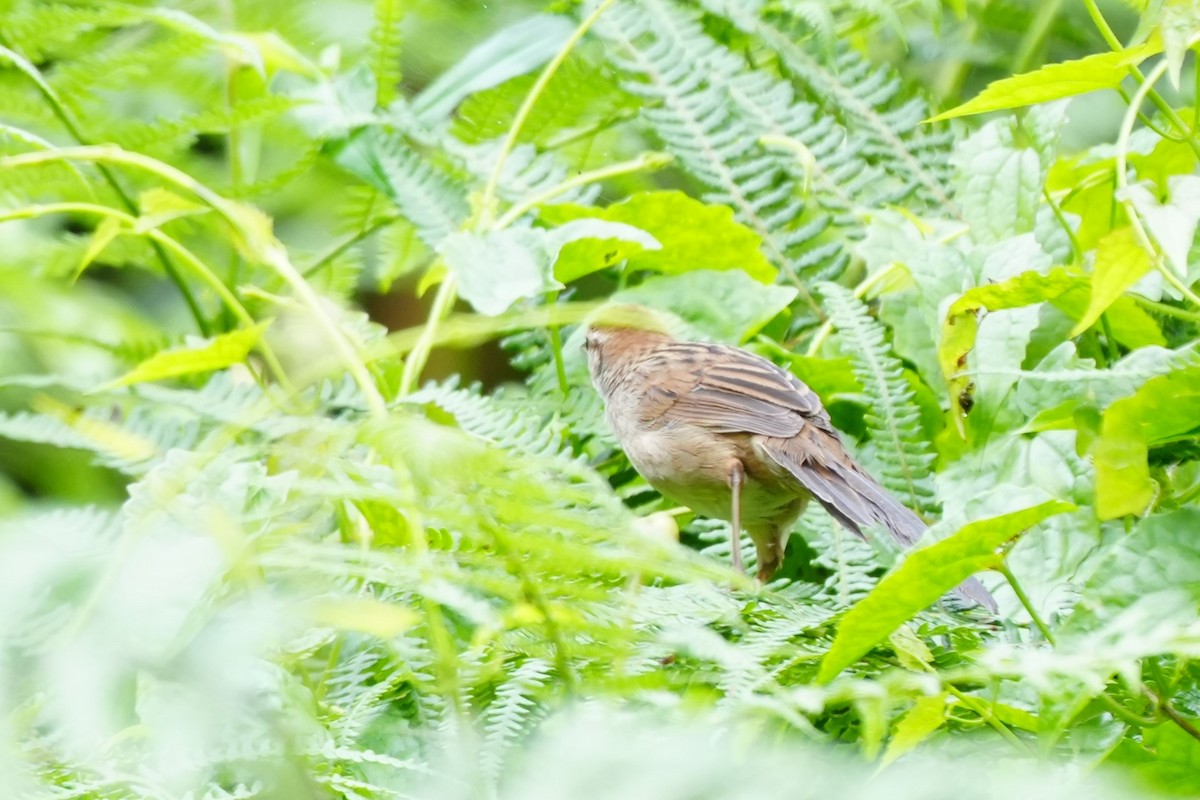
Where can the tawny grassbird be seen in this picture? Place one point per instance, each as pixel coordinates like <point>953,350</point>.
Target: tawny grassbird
<point>732,436</point>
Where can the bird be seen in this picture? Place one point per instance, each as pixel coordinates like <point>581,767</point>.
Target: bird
<point>733,436</point>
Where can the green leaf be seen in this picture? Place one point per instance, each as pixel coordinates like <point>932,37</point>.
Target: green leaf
<point>923,577</point>
<point>1173,224</point>
<point>434,203</point>
<point>158,206</point>
<point>497,268</point>
<point>108,230</point>
<point>999,183</point>
<point>724,306</point>
<point>918,724</point>
<point>693,235</point>
<point>1159,554</point>
<point>961,328</point>
<point>515,50</point>
<point>1162,410</point>
<point>1180,29</point>
<point>207,355</point>
<point>1120,262</point>
<point>1055,81</point>
<point>1166,758</point>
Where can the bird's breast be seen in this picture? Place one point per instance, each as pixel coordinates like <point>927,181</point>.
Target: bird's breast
<point>691,466</point>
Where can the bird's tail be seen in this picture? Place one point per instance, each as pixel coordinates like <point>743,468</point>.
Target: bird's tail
<point>854,499</point>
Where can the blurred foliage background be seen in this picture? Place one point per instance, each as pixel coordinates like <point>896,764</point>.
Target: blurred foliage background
<point>304,492</point>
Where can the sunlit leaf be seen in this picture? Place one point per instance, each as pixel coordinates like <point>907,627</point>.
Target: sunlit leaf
<point>1055,81</point>
<point>1120,262</point>
<point>693,236</point>
<point>206,355</point>
<point>1162,410</point>
<point>923,577</point>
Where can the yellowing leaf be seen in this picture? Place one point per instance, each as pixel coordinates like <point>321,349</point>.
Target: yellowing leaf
<point>1120,262</point>
<point>1054,81</point>
<point>365,615</point>
<point>962,324</point>
<point>208,355</point>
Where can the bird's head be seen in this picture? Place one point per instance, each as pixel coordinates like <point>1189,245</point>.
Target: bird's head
<point>616,333</point>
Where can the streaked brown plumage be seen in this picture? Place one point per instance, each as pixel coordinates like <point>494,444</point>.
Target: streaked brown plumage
<point>733,436</point>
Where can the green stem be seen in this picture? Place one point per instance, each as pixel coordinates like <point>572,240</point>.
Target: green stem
<point>560,367</point>
<point>348,242</point>
<point>1161,104</point>
<point>254,235</point>
<point>986,714</point>
<point>1110,342</point>
<point>1025,601</point>
<point>447,293</point>
<point>1135,220</point>
<point>488,199</point>
<point>234,139</point>
<point>443,302</point>
<point>860,291</point>
<point>1165,309</point>
<point>1035,37</point>
<point>68,121</point>
<point>170,244</point>
<point>1076,250</point>
<point>646,161</point>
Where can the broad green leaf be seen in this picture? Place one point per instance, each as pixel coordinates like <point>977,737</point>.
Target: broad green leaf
<point>1173,223</point>
<point>515,50</point>
<point>1159,554</point>
<point>918,724</point>
<point>588,244</point>
<point>1164,409</point>
<point>1063,386</point>
<point>1167,758</point>
<point>1055,81</point>
<point>693,235</point>
<point>923,577</point>
<point>207,355</point>
<point>961,327</point>
<point>998,182</point>
<point>1180,31</point>
<point>497,268</point>
<point>1120,262</point>
<point>582,95</point>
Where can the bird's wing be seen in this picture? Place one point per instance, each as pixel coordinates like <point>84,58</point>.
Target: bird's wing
<point>731,391</point>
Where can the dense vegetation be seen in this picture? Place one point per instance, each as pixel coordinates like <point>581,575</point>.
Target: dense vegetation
<point>247,549</point>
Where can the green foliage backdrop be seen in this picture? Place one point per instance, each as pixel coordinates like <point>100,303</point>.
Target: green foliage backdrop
<point>248,550</point>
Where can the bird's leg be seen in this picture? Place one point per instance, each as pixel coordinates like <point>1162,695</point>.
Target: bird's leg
<point>737,476</point>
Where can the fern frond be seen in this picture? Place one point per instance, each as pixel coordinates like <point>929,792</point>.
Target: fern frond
<point>905,457</point>
<point>384,56</point>
<point>512,712</point>
<point>508,424</point>
<point>868,100</point>
<point>849,559</point>
<point>712,112</point>
<point>427,197</point>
